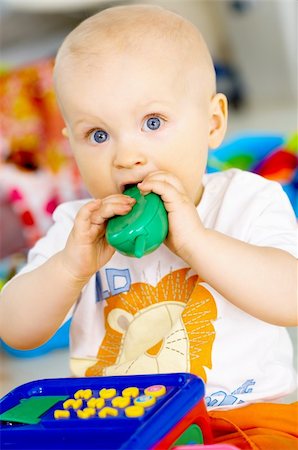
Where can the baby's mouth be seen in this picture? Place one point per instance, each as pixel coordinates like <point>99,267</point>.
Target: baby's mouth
<point>128,186</point>
<point>124,187</point>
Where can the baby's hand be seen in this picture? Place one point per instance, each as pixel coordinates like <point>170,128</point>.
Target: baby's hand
<point>86,249</point>
<point>184,221</point>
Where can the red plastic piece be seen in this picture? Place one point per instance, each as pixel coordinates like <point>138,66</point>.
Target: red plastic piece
<point>279,166</point>
<point>27,218</point>
<point>206,447</point>
<point>197,415</point>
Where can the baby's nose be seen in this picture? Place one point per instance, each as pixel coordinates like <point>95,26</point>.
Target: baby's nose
<point>129,157</point>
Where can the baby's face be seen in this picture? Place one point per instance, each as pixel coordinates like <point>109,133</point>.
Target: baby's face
<point>127,117</point>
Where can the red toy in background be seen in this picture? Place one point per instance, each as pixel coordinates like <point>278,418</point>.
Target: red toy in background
<point>281,164</point>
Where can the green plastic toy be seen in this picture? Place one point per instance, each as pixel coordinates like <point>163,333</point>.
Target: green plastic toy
<point>143,229</point>
<point>192,435</point>
<point>30,409</point>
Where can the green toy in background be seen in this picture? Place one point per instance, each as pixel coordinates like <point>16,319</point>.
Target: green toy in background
<point>143,229</point>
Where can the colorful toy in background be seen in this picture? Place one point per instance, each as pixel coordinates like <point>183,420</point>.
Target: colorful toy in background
<point>37,168</point>
<point>31,123</point>
<point>271,156</point>
<point>122,412</point>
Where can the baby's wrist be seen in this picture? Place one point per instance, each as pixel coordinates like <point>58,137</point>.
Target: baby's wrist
<point>190,251</point>
<point>71,275</point>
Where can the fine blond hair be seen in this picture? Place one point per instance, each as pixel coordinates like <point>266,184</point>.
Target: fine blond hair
<point>134,28</point>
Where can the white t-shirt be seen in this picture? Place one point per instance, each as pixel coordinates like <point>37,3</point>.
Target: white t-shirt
<point>155,315</point>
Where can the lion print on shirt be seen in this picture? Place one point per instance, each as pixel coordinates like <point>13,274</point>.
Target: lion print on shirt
<point>167,328</point>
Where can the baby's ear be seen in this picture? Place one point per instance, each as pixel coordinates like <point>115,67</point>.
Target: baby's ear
<point>64,132</point>
<point>218,120</point>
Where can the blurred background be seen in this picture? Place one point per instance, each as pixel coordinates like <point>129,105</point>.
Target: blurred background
<point>253,43</point>
<point>254,47</point>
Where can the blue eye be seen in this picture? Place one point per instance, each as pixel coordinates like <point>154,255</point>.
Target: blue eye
<point>98,136</point>
<point>153,123</point>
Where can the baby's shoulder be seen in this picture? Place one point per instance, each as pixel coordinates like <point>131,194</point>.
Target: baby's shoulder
<point>240,183</point>
<point>235,191</point>
<point>236,176</point>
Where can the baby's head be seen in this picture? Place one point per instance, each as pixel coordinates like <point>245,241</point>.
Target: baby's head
<point>136,87</point>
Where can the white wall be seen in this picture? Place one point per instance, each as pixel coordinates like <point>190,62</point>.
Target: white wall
<point>261,41</point>
<point>263,44</point>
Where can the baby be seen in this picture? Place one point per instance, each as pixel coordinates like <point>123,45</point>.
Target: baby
<point>136,87</point>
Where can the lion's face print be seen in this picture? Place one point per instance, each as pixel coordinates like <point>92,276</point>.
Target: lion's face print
<point>159,329</point>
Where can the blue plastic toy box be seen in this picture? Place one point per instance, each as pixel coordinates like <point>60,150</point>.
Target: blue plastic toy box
<point>125,412</point>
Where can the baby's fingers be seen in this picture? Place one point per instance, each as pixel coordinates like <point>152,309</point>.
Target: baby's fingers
<point>163,177</point>
<point>98,211</point>
<point>172,193</point>
<point>110,207</point>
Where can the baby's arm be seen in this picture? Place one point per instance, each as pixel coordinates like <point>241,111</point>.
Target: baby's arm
<point>259,280</point>
<point>34,304</point>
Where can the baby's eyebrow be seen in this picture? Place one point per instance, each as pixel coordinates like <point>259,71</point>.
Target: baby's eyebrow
<point>90,121</point>
<point>152,106</point>
<point>156,104</point>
